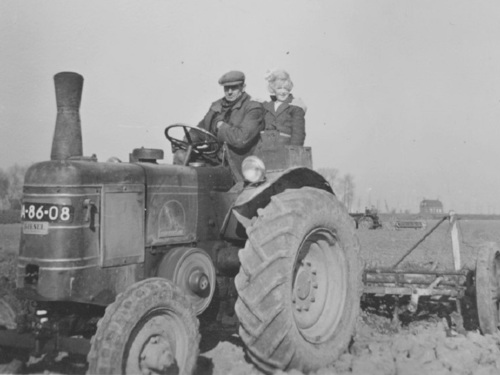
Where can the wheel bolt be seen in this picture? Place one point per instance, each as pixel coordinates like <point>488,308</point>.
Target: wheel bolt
<point>315,285</point>
<point>299,308</point>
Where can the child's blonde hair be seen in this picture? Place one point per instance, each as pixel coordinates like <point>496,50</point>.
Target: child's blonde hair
<point>278,78</point>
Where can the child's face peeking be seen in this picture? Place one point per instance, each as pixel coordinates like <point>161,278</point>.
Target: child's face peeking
<point>281,93</point>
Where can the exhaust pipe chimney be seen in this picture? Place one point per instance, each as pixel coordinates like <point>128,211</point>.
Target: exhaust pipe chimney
<point>67,141</point>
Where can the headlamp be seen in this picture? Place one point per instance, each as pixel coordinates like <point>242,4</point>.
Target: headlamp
<point>253,169</point>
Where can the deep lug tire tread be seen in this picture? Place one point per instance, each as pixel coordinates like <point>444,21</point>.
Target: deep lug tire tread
<point>113,330</point>
<point>267,325</point>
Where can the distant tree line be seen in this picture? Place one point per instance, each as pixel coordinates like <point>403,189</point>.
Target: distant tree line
<point>343,186</point>
<point>11,187</point>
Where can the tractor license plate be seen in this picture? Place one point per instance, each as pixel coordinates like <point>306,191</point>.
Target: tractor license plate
<point>35,227</point>
<point>51,213</point>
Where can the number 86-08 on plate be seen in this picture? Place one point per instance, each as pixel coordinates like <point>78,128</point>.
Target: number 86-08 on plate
<point>37,216</point>
<point>53,213</point>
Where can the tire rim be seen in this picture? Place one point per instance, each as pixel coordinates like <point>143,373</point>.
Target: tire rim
<point>157,345</point>
<point>319,286</point>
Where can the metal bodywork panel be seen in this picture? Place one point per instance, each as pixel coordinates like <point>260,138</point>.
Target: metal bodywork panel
<point>287,167</point>
<point>279,158</point>
<point>230,227</point>
<point>69,260</point>
<point>257,196</point>
<point>214,183</point>
<point>172,195</point>
<point>122,229</point>
<point>182,203</point>
<point>115,211</point>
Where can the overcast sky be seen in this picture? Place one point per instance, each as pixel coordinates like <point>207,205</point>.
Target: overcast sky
<point>403,95</point>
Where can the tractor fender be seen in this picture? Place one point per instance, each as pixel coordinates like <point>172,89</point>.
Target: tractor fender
<point>254,196</point>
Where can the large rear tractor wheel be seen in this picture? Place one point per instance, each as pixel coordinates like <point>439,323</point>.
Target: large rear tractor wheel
<point>149,329</point>
<point>299,283</point>
<point>488,287</point>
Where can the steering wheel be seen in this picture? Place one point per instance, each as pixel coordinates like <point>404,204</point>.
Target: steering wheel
<point>196,140</point>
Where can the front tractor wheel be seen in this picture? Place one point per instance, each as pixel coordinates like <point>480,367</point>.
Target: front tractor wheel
<point>149,329</point>
<point>299,283</point>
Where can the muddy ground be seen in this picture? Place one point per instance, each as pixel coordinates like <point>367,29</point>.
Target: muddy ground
<point>429,343</point>
<point>380,348</point>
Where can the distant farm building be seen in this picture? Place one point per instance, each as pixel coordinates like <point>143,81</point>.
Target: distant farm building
<point>431,206</point>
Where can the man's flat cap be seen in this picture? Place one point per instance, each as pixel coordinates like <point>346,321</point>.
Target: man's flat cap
<point>233,77</point>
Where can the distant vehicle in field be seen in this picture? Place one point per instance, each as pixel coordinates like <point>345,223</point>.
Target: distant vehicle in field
<point>368,219</point>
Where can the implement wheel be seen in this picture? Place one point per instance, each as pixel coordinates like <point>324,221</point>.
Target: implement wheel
<point>149,329</point>
<point>488,287</point>
<point>299,283</point>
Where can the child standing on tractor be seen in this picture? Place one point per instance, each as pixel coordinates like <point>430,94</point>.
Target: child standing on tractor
<point>284,113</point>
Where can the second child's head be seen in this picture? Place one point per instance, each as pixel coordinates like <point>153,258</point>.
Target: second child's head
<point>279,84</point>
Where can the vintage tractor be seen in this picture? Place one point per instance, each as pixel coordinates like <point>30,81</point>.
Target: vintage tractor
<point>117,259</point>
<point>367,220</point>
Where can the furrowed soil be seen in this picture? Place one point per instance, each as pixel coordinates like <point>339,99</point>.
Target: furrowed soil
<point>429,342</point>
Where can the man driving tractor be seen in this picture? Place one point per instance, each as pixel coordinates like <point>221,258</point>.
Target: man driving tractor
<point>235,119</point>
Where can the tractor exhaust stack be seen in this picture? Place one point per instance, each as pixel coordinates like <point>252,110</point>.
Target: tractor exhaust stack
<point>67,141</point>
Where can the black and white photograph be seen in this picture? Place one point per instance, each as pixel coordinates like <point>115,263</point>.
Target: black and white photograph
<point>249,187</point>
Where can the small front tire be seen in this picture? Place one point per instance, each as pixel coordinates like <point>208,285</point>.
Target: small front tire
<point>150,328</point>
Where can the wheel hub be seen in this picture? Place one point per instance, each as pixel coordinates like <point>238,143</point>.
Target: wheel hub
<point>198,282</point>
<point>319,286</point>
<point>305,285</point>
<point>193,270</point>
<point>157,356</point>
